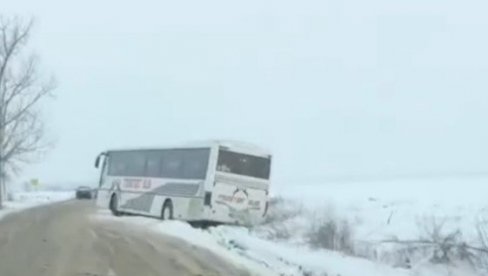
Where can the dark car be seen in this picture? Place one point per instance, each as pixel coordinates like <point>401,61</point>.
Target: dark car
<point>84,192</point>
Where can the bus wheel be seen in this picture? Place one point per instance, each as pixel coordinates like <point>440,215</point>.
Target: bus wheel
<point>114,205</point>
<point>167,212</point>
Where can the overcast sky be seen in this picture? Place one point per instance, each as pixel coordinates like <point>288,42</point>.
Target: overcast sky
<point>350,87</point>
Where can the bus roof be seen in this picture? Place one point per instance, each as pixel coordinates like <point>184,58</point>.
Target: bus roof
<point>232,145</point>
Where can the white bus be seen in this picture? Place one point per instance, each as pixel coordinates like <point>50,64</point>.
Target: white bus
<point>212,182</point>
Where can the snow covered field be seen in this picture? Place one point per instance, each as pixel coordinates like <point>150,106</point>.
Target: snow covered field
<point>373,212</point>
<point>399,209</point>
<point>23,200</point>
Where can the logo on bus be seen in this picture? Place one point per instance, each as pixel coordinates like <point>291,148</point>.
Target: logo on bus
<point>134,183</point>
<point>238,200</point>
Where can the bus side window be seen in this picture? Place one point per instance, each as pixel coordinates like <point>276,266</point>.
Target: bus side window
<point>185,163</point>
<point>195,163</point>
<point>153,164</point>
<point>172,165</point>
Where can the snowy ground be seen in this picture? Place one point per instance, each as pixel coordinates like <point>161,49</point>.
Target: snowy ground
<point>389,210</point>
<point>375,212</point>
<point>264,257</point>
<point>24,200</point>
<point>395,208</point>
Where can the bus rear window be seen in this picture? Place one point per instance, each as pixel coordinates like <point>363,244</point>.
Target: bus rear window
<point>243,164</point>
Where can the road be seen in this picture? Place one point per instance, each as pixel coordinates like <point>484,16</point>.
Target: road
<point>62,240</point>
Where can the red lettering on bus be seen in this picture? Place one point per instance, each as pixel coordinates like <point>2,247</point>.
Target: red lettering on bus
<point>147,184</point>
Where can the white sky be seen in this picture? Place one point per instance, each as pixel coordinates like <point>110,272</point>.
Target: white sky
<point>350,87</point>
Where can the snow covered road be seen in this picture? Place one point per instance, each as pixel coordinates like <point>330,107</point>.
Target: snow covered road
<point>62,240</point>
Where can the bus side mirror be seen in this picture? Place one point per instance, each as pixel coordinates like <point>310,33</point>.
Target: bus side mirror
<point>97,161</point>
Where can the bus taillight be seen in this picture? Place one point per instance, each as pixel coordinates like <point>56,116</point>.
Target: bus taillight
<point>207,201</point>
<point>266,206</point>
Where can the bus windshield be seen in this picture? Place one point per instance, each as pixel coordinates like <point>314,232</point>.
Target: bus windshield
<point>243,164</point>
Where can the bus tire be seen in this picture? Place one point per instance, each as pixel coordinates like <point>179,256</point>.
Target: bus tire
<point>167,210</point>
<point>114,205</point>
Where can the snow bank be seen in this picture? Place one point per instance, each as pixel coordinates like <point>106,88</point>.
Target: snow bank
<point>197,237</point>
<point>287,259</point>
<point>24,200</point>
<point>244,248</point>
<point>375,211</point>
<point>396,208</point>
<point>390,210</point>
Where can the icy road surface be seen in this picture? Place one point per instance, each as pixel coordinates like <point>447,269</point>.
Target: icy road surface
<point>61,240</point>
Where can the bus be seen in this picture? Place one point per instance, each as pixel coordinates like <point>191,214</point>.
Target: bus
<point>211,183</point>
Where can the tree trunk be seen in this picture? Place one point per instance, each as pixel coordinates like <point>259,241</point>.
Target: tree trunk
<point>3,195</point>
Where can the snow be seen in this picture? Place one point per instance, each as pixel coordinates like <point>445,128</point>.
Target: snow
<point>397,208</point>
<point>287,259</point>
<point>23,200</point>
<point>239,246</point>
<point>385,210</point>
<point>197,237</point>
<point>376,211</point>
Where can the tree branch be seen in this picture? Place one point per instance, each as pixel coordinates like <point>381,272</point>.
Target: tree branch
<point>25,81</point>
<point>21,90</point>
<point>19,35</point>
<point>434,243</point>
<point>43,91</point>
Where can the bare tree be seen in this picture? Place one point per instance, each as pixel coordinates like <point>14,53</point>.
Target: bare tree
<point>21,89</point>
